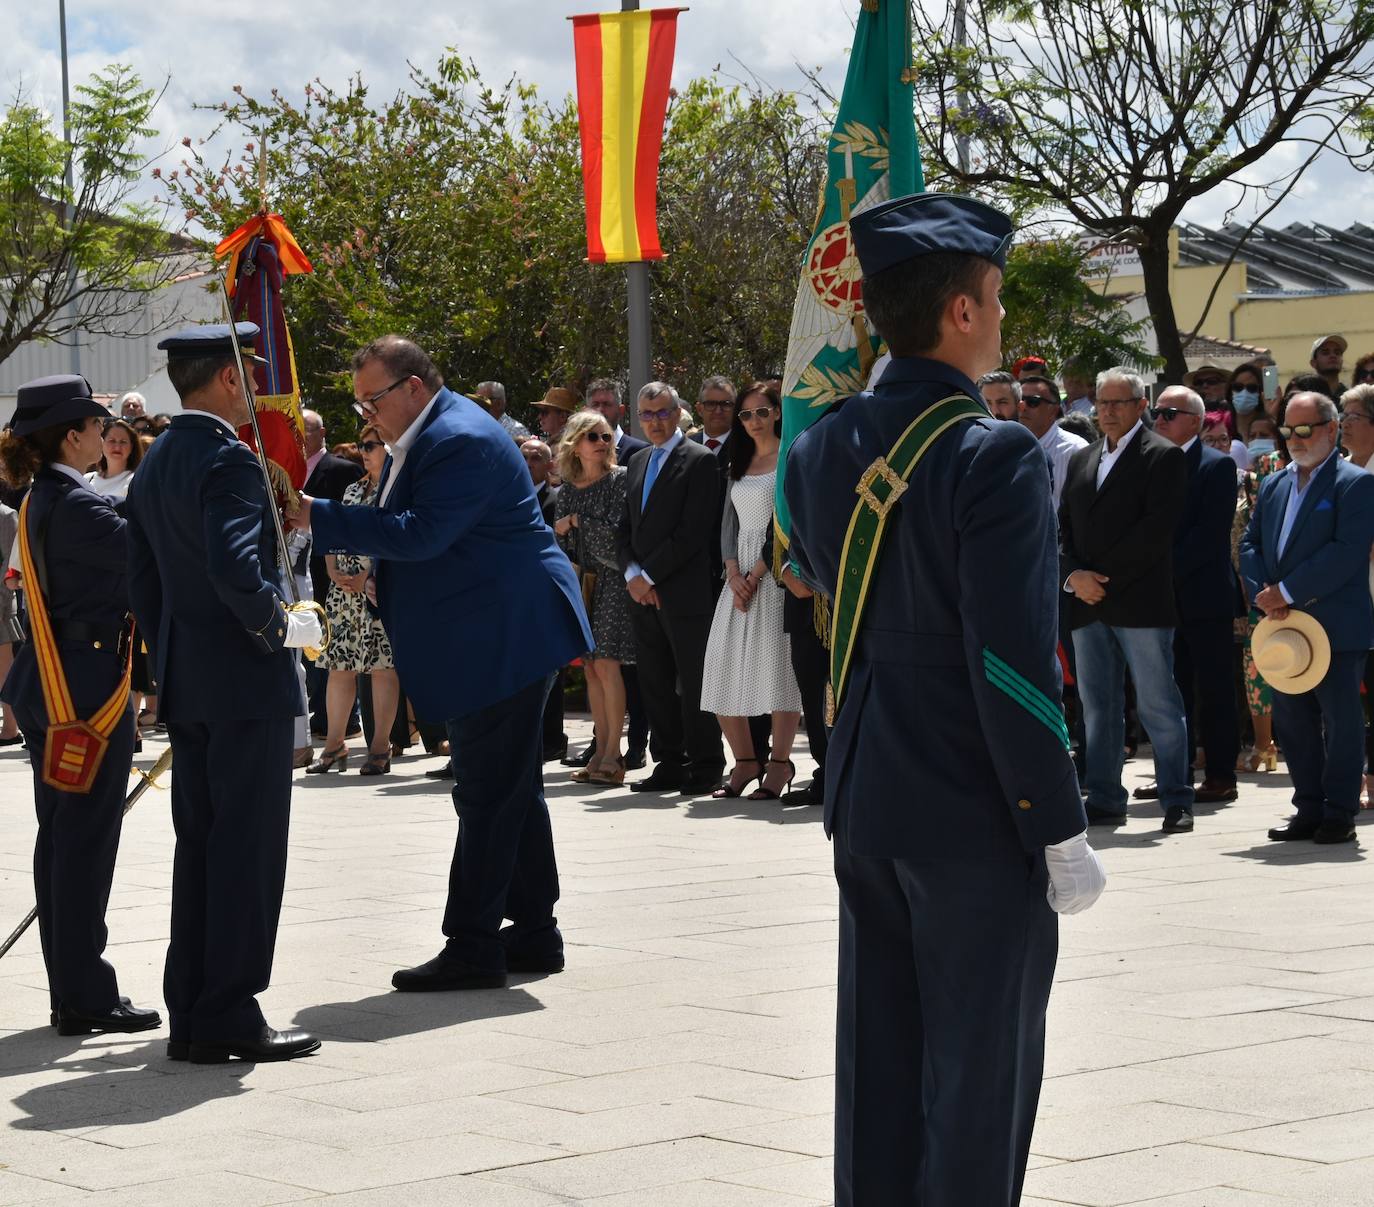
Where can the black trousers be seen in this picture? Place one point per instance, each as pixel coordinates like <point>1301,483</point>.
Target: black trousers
<point>672,656</point>
<point>74,859</point>
<point>811,665</point>
<point>503,861</point>
<point>552,726</point>
<point>231,808</point>
<point>1202,669</point>
<point>944,977</point>
<point>637,731</point>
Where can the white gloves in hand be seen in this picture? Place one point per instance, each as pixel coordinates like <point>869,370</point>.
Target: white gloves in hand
<point>1076,875</point>
<point>303,629</point>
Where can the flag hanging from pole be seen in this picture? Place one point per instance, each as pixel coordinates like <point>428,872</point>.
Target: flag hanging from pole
<point>871,156</point>
<point>624,68</point>
<point>262,252</point>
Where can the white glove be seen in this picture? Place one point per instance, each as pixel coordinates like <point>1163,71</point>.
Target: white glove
<point>1077,877</point>
<point>303,629</point>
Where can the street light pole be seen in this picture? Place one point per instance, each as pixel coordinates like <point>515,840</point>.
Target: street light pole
<point>961,41</point>
<point>637,289</point>
<point>68,208</point>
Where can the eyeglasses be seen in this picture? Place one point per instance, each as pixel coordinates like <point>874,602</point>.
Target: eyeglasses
<point>1301,430</point>
<point>371,446</point>
<point>1117,402</point>
<point>364,405</point>
<point>606,436</point>
<point>1034,400</point>
<point>658,415</point>
<point>1349,416</point>
<point>756,413</point>
<point>714,404</point>
<point>1168,414</point>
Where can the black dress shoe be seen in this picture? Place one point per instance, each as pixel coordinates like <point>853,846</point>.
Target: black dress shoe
<point>580,760</point>
<point>440,773</point>
<point>122,1019</point>
<point>1104,817</point>
<point>269,1045</point>
<point>1177,820</point>
<point>1146,792</point>
<point>178,1049</point>
<point>1334,831</point>
<point>702,785</point>
<point>1296,830</point>
<point>634,759</point>
<point>658,780</point>
<point>444,972</point>
<point>555,750</point>
<point>1213,792</point>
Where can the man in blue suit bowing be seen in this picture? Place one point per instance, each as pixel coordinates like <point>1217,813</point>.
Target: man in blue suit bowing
<point>466,569</point>
<point>1307,547</point>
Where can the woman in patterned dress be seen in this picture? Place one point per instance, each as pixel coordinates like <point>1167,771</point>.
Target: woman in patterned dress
<point>358,644</point>
<point>587,513</point>
<point>748,660</point>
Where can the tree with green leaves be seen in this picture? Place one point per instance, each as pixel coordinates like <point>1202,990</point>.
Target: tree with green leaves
<point>81,259</point>
<point>1117,114</point>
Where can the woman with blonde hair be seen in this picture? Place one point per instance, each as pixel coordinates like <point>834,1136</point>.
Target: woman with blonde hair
<point>586,517</point>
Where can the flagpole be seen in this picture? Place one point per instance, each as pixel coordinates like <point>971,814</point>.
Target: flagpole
<point>637,290</point>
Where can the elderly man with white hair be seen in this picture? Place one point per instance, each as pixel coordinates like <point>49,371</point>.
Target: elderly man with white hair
<point>1122,500</point>
<point>133,405</point>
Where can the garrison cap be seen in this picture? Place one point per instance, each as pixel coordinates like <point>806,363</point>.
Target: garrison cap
<point>48,401</point>
<point>925,223</point>
<point>211,339</point>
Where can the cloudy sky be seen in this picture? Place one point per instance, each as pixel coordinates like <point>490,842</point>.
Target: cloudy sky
<point>202,54</point>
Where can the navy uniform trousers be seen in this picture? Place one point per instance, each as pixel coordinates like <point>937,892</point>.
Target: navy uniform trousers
<point>78,836</point>
<point>503,860</point>
<point>231,805</point>
<point>968,947</point>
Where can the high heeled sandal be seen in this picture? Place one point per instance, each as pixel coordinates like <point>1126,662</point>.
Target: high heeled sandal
<point>765,793</point>
<point>727,790</point>
<point>376,764</point>
<point>607,773</point>
<point>1265,759</point>
<point>330,760</point>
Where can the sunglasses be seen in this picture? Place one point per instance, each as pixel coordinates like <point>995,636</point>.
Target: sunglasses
<point>756,413</point>
<point>363,405</point>
<point>371,446</point>
<point>1168,414</point>
<point>1034,400</point>
<point>714,404</point>
<point>606,436</point>
<point>1301,430</point>
<point>658,415</point>
<point>1208,382</point>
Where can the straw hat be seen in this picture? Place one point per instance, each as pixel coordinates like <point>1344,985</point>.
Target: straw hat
<point>1292,655</point>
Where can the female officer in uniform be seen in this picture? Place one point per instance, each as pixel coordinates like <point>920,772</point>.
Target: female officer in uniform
<point>69,690</point>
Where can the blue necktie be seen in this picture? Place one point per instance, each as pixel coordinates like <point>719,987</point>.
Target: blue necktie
<point>651,475</point>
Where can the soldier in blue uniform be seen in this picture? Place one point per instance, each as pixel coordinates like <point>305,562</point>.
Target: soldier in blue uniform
<point>204,583</point>
<point>951,798</point>
<point>69,679</point>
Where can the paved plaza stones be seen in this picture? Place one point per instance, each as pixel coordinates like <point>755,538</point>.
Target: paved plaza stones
<point>1212,1025</point>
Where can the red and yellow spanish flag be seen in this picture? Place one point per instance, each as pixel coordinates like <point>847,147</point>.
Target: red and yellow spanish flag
<point>624,67</point>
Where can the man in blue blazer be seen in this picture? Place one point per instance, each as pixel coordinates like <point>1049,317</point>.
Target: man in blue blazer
<point>1307,546</point>
<point>466,570</point>
<point>205,586</point>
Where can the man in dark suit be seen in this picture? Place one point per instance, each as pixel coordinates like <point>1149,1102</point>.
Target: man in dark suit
<point>1205,590</point>
<point>950,797</point>
<point>716,407</point>
<point>1122,500</point>
<point>538,457</point>
<point>204,580</point>
<point>461,548</point>
<point>1307,547</point>
<point>327,476</point>
<point>666,539</point>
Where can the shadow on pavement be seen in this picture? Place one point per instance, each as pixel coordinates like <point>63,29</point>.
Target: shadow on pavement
<point>392,1015</point>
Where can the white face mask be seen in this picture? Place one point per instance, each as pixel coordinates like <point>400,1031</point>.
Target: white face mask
<point>1245,401</point>
<point>1259,447</point>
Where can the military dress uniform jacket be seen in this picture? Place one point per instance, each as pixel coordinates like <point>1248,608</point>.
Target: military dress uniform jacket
<point>202,577</point>
<point>949,742</point>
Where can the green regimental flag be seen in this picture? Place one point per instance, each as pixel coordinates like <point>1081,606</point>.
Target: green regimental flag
<point>872,156</point>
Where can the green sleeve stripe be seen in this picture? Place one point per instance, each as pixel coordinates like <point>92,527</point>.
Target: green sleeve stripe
<point>991,659</point>
<point>1054,723</point>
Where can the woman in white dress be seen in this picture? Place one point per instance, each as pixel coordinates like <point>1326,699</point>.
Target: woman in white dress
<point>748,664</point>
<point>122,452</point>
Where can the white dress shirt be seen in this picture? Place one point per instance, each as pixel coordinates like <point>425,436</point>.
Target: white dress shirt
<point>403,445</point>
<point>1109,459</point>
<point>720,442</point>
<point>1059,446</point>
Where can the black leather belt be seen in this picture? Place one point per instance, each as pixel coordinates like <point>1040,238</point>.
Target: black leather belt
<point>100,636</point>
